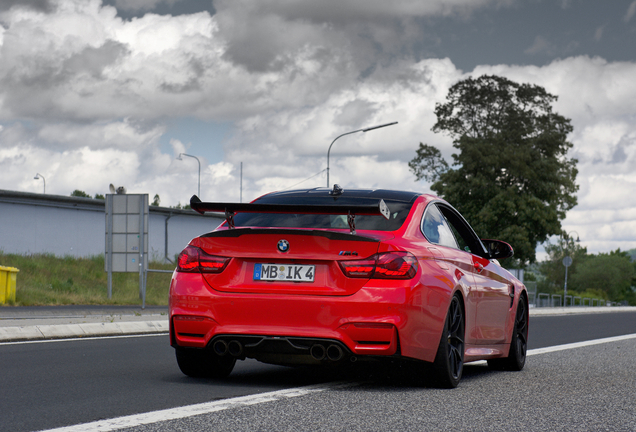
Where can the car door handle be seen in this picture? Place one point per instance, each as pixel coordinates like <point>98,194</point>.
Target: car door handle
<point>479,267</point>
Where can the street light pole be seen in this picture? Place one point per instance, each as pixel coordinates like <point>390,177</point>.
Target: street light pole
<point>199,184</point>
<point>349,133</point>
<point>40,176</point>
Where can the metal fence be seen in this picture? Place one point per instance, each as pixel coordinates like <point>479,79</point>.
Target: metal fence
<point>556,300</point>
<point>538,300</point>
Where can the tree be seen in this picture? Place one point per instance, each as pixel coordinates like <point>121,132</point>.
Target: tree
<point>79,193</point>
<point>553,268</point>
<point>179,207</point>
<point>511,177</point>
<point>611,276</point>
<point>156,201</point>
<point>611,273</point>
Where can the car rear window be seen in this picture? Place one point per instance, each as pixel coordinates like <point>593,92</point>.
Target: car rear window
<point>399,210</point>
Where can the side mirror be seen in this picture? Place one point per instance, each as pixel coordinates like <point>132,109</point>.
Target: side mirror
<point>498,249</point>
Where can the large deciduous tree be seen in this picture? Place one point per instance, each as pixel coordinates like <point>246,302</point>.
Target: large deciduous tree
<point>611,276</point>
<point>511,177</point>
<point>612,273</point>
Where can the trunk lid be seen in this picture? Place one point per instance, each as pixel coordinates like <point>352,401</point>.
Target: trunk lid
<point>259,249</point>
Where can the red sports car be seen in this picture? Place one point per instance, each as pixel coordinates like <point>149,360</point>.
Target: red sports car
<point>325,276</point>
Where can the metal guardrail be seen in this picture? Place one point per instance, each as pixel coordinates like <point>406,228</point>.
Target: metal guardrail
<point>543,300</point>
<point>539,300</point>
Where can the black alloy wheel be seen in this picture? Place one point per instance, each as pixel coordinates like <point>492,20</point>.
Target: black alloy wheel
<point>516,359</point>
<point>203,363</point>
<point>449,361</point>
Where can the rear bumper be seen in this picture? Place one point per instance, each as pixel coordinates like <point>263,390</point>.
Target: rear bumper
<point>369,322</point>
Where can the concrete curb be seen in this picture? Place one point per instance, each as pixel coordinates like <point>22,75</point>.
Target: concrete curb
<point>67,331</point>
<point>579,310</point>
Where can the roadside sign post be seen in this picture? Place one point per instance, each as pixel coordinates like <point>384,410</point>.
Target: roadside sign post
<point>127,238</point>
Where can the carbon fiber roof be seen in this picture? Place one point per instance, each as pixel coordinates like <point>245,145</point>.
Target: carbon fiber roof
<point>385,194</point>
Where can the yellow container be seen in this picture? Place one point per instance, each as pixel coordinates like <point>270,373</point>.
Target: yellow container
<point>8,278</point>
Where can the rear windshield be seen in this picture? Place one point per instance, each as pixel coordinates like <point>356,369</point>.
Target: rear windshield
<point>399,210</point>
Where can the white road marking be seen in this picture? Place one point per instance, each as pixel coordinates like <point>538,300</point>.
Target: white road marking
<point>579,344</point>
<point>574,345</point>
<point>237,402</point>
<point>197,409</point>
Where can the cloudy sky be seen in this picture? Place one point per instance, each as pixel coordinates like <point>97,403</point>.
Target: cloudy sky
<point>96,92</point>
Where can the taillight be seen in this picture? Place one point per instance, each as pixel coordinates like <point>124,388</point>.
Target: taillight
<point>388,265</point>
<point>359,268</point>
<point>396,265</point>
<point>194,260</point>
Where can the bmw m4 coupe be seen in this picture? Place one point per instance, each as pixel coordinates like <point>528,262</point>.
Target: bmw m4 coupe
<point>320,276</point>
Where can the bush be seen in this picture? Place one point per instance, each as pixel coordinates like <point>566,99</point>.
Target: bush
<point>45,279</point>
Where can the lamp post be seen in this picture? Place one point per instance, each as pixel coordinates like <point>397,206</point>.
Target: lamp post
<point>349,133</point>
<point>567,262</point>
<point>40,176</point>
<point>199,187</point>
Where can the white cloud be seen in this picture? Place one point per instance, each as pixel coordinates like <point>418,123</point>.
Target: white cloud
<point>142,5</point>
<point>540,46</point>
<point>84,96</point>
<point>260,34</point>
<point>122,135</point>
<point>353,10</point>
<point>598,34</point>
<point>631,10</point>
<point>41,5</point>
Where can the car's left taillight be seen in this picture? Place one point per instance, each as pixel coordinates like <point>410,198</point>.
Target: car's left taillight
<point>388,265</point>
<point>194,260</point>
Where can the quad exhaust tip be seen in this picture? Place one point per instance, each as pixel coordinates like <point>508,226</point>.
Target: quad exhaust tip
<point>332,352</point>
<point>235,348</point>
<point>318,352</point>
<point>220,347</point>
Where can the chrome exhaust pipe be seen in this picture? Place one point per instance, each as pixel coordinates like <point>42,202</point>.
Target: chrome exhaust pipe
<point>220,347</point>
<point>318,352</point>
<point>235,348</point>
<point>334,353</point>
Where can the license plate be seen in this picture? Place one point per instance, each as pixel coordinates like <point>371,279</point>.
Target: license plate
<point>284,272</point>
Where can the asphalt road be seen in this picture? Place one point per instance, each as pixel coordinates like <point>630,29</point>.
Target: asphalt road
<point>54,384</point>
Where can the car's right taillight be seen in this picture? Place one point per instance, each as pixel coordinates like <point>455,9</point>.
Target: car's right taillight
<point>388,265</point>
<point>195,260</point>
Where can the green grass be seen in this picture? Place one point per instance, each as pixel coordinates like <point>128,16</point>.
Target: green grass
<point>45,279</point>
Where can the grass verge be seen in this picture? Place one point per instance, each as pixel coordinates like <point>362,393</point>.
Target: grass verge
<point>45,279</point>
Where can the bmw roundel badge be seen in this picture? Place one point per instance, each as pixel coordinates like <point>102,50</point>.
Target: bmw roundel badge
<point>283,245</point>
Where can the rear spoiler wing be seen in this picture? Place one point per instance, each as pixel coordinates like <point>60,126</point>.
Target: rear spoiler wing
<point>230,209</point>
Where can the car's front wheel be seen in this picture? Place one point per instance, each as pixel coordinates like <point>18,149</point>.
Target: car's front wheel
<point>449,361</point>
<point>203,363</point>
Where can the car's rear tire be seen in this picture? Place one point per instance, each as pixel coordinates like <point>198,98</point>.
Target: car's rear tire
<point>449,361</point>
<point>203,363</point>
<point>516,359</point>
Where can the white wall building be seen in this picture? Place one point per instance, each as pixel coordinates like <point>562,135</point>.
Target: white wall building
<point>63,225</point>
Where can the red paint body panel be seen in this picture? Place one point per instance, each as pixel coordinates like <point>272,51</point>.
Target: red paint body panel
<point>328,317</point>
